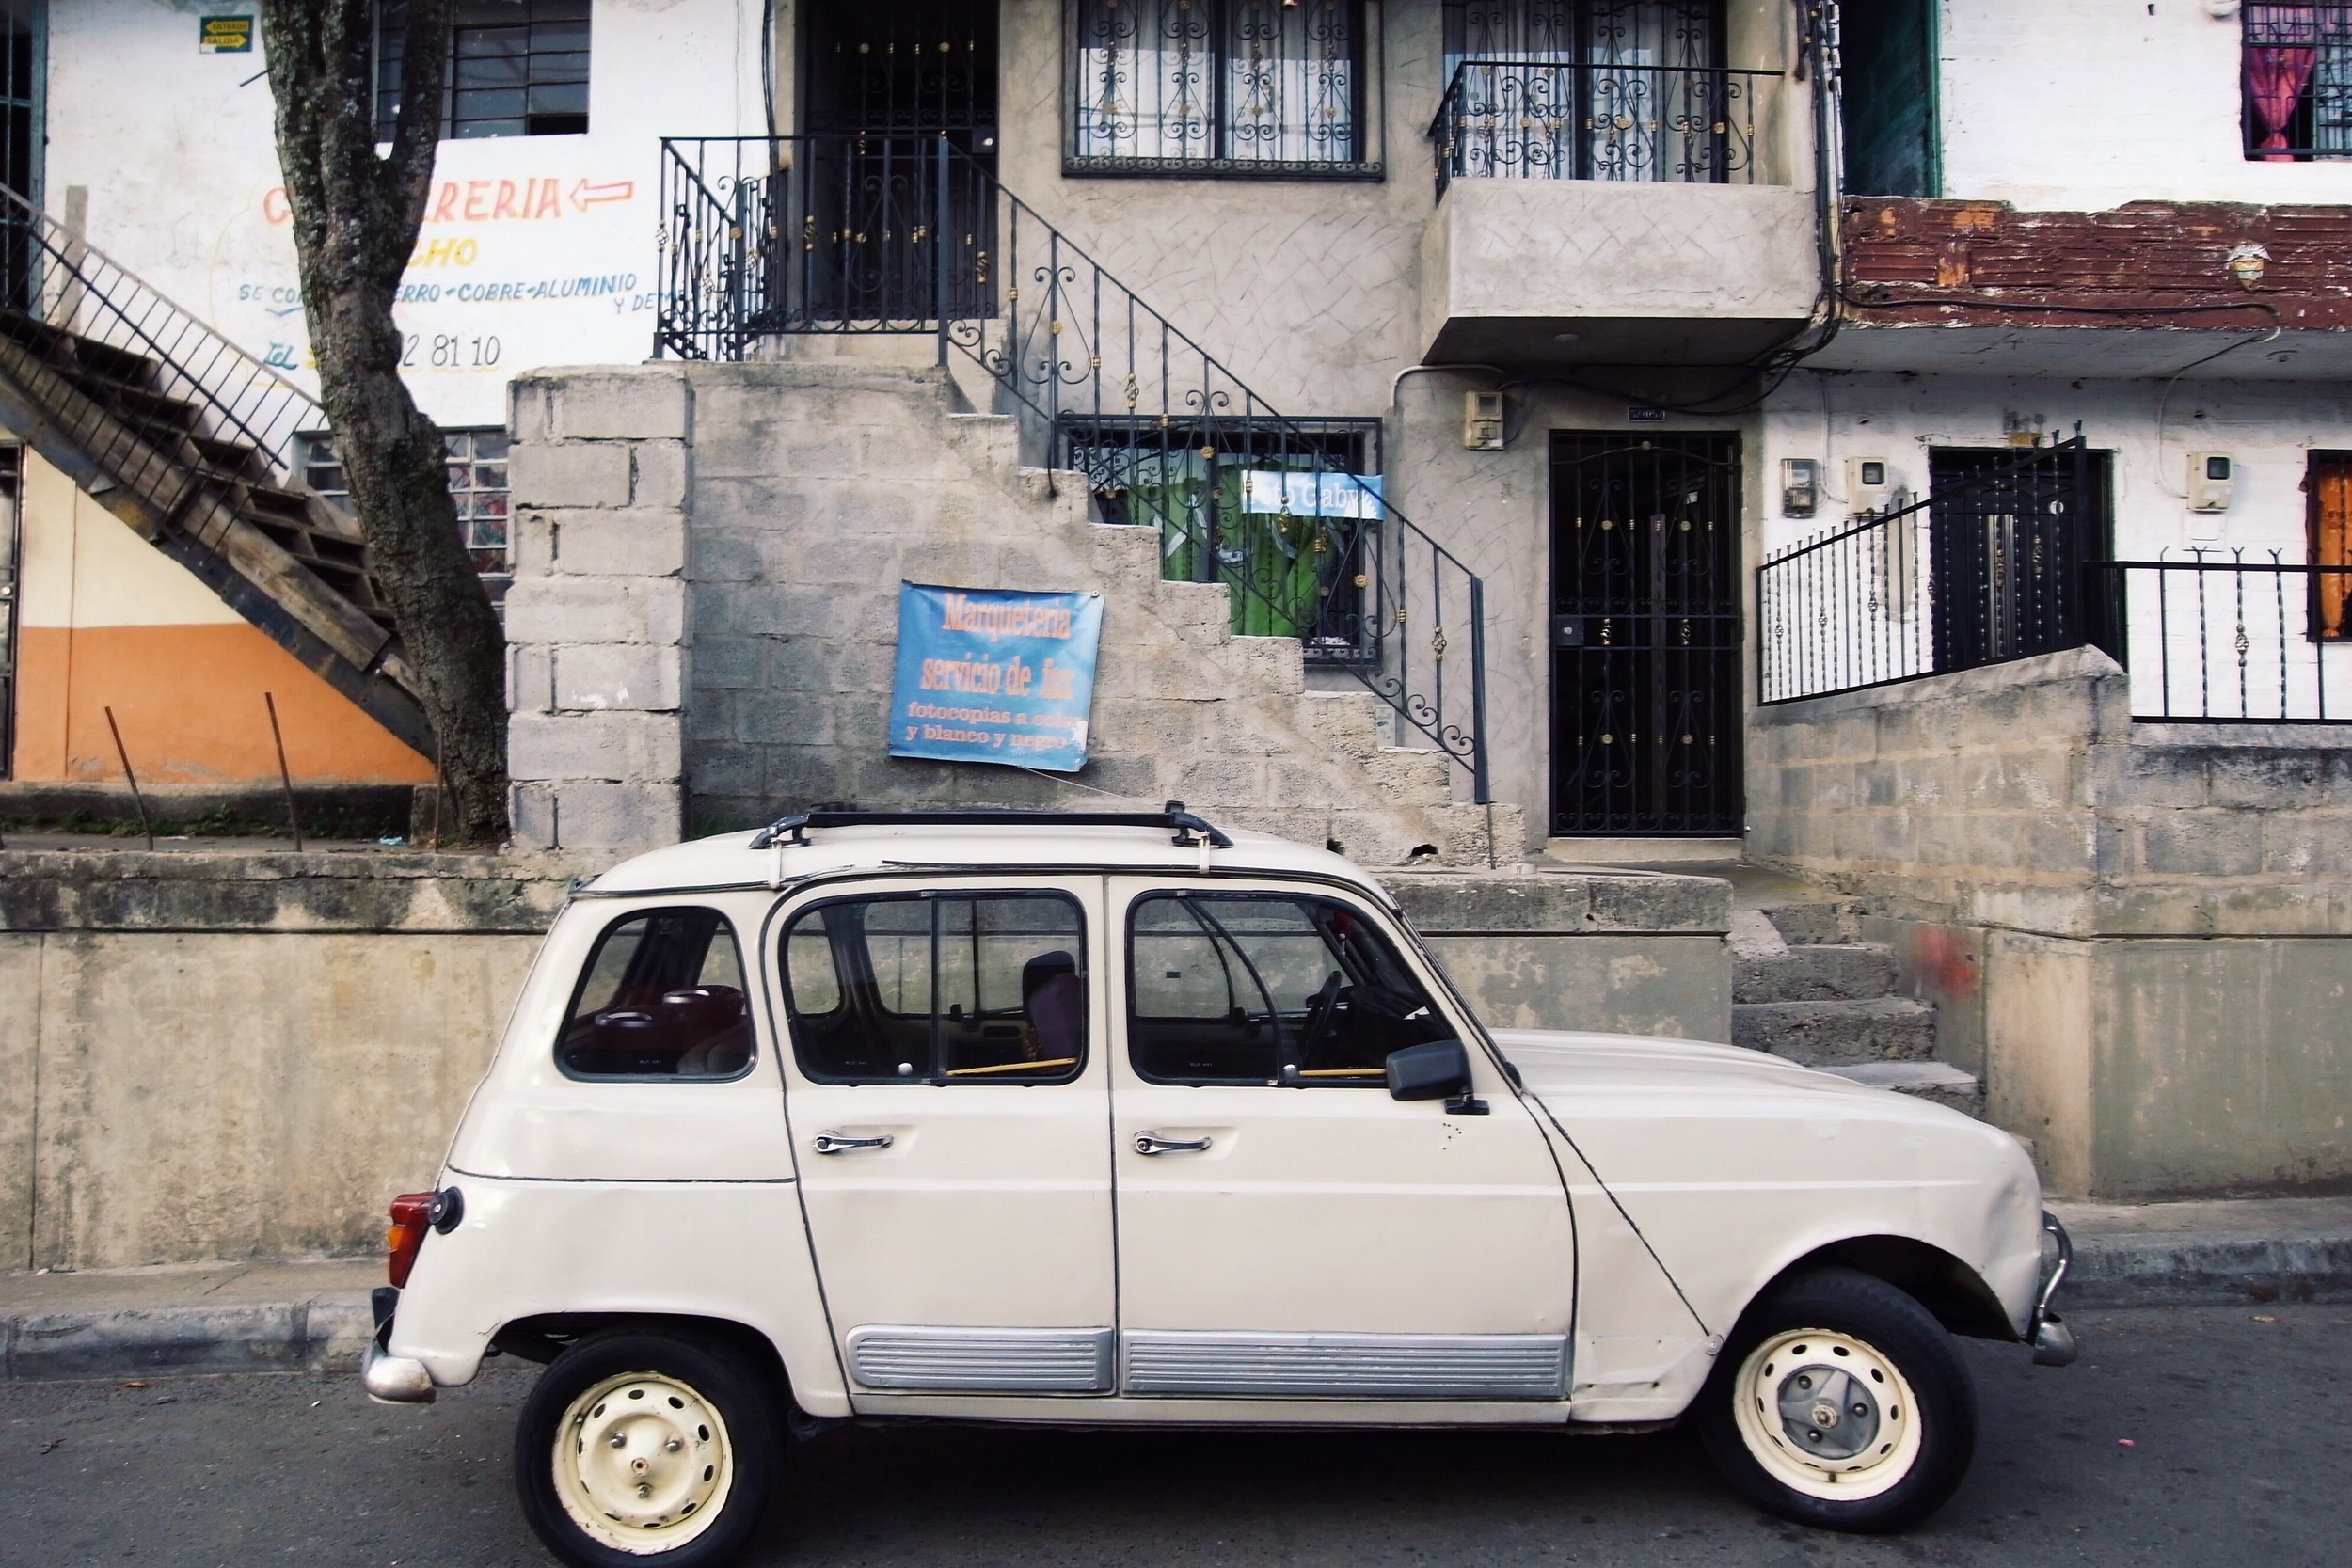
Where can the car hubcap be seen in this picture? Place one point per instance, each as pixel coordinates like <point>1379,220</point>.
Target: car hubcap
<point>642,1463</point>
<point>1827,1415</point>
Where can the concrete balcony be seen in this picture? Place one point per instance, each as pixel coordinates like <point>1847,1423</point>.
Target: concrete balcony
<point>1533,273</point>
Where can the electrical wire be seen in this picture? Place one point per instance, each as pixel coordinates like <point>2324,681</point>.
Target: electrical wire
<point>2166,396</point>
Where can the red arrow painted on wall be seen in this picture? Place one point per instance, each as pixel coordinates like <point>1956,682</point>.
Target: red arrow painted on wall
<point>585,195</point>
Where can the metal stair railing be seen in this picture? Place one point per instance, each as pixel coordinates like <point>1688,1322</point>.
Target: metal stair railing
<point>768,236</point>
<point>189,439</point>
<point>58,287</point>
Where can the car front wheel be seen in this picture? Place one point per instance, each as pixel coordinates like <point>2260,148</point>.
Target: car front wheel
<point>1839,1403</point>
<point>639,1446</point>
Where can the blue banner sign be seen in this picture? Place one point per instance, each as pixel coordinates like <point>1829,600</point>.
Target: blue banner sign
<point>994,674</point>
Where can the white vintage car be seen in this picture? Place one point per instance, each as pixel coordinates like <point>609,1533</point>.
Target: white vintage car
<point>1120,1120</point>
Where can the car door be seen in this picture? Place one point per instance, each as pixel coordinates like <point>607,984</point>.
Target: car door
<point>1286,1229</point>
<point>950,1109</point>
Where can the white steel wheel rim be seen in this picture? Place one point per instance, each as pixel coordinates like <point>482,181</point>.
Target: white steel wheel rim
<point>1795,1378</point>
<point>642,1463</point>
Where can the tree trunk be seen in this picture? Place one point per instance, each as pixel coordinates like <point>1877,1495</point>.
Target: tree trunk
<point>355,218</point>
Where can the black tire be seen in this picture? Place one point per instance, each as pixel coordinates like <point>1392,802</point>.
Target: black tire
<point>1909,1461</point>
<point>673,1372</point>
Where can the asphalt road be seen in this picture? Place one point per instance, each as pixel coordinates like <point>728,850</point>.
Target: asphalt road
<point>2238,1423</point>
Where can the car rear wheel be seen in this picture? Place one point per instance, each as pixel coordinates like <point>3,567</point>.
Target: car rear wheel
<point>640,1447</point>
<point>1840,1402</point>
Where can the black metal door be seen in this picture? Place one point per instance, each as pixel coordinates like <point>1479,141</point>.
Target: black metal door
<point>885,80</point>
<point>2008,532</point>
<point>1646,634</point>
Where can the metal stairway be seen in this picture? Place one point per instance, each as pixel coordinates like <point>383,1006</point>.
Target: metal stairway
<point>188,439</point>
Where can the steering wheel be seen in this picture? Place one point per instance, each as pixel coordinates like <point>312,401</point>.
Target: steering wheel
<point>1322,1008</point>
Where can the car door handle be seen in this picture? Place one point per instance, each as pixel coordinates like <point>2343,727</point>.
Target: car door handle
<point>833,1143</point>
<point>1151,1143</point>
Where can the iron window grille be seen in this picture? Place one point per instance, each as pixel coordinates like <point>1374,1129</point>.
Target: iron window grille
<point>1594,89</point>
<point>2296,75</point>
<point>1637,34</point>
<point>477,486</point>
<point>1283,88</point>
<point>516,67</point>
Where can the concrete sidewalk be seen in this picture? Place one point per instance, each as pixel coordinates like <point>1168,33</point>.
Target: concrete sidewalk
<point>187,1318</point>
<point>295,1317</point>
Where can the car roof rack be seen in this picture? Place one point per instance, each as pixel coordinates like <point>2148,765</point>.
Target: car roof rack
<point>1189,830</point>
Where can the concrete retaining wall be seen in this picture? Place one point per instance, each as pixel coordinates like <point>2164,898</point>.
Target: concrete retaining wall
<point>2137,934</point>
<point>224,1055</point>
<point>227,1055</point>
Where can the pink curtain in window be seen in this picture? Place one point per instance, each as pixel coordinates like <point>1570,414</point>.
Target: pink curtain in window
<point>2274,80</point>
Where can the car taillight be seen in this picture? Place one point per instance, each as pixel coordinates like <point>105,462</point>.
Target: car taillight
<point>412,1217</point>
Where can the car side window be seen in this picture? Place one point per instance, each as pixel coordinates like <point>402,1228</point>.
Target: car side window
<point>1266,988</point>
<point>946,989</point>
<point>661,997</point>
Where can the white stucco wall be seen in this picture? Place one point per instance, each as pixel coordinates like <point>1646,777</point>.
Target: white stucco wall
<point>2267,427</point>
<point>2089,103</point>
<point>175,151</point>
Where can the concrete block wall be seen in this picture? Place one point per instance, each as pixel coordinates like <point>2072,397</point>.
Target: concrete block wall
<point>2132,931</point>
<point>1975,795</point>
<point>596,620</point>
<point>809,490</point>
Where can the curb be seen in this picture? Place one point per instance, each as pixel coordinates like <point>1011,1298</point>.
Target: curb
<point>2207,1268</point>
<point>322,1334</point>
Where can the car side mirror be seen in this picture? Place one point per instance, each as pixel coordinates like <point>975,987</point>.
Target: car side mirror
<point>1438,1071</point>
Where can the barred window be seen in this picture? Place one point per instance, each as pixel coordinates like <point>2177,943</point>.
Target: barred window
<point>1218,87</point>
<point>516,67</point>
<point>1593,90</point>
<point>2295,73</point>
<point>1286,514</point>
<point>477,483</point>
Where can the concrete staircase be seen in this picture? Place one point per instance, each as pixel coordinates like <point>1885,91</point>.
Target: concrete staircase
<point>1802,989</point>
<point>184,437</point>
<point>788,499</point>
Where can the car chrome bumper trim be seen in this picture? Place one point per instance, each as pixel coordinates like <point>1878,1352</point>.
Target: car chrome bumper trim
<point>981,1360</point>
<point>391,1379</point>
<point>2053,1341</point>
<point>395,1379</point>
<point>1358,1366</point>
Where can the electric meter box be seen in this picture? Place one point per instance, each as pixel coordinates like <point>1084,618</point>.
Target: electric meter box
<point>2211,474</point>
<point>1800,487</point>
<point>1869,481</point>
<point>1482,422</point>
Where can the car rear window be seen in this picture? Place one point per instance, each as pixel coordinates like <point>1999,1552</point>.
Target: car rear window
<point>661,997</point>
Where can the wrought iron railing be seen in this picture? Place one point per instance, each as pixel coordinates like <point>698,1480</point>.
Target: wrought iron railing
<point>2220,638</point>
<point>1167,435</point>
<point>1845,609</point>
<point>1527,119</point>
<point>168,407</point>
<point>1986,570</point>
<point>769,235</point>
